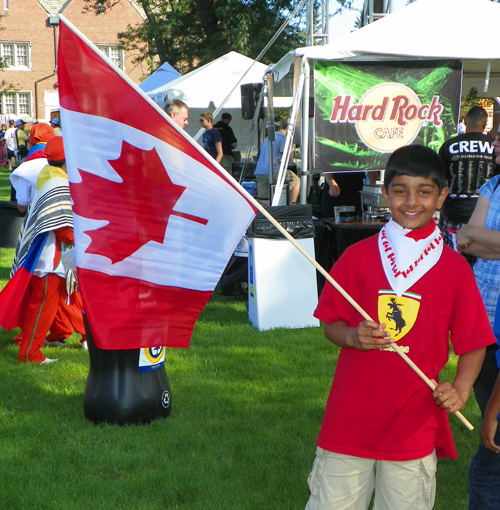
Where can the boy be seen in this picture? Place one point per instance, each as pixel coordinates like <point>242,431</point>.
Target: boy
<point>383,427</point>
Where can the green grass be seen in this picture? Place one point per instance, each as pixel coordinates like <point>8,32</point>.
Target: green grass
<point>4,184</point>
<point>247,407</point>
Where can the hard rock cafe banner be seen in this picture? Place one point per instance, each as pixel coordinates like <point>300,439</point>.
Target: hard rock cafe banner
<point>365,111</point>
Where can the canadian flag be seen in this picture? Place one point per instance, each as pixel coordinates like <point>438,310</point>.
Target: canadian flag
<point>156,218</point>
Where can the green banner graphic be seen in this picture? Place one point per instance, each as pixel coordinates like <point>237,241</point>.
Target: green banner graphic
<point>364,111</point>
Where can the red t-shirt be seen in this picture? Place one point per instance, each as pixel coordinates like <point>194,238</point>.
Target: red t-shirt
<point>378,407</point>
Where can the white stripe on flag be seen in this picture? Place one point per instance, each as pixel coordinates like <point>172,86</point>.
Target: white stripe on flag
<point>187,258</point>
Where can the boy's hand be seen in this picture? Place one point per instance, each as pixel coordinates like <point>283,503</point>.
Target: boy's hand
<point>447,397</point>
<point>369,335</point>
<point>488,431</point>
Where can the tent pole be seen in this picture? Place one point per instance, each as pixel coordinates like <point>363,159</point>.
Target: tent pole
<point>268,93</point>
<point>304,149</point>
<point>289,141</point>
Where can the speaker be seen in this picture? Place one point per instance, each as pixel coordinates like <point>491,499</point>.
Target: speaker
<point>249,97</point>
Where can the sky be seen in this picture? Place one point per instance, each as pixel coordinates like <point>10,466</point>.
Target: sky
<point>344,23</point>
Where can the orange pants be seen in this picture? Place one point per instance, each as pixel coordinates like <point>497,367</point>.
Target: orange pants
<point>47,295</point>
<point>62,326</point>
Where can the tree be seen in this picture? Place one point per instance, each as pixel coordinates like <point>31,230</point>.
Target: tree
<point>190,33</point>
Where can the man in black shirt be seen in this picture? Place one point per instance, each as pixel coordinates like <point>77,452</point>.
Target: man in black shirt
<point>469,163</point>
<point>228,141</point>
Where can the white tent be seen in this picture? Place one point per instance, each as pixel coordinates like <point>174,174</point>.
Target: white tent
<point>206,89</point>
<point>427,29</point>
<point>209,85</point>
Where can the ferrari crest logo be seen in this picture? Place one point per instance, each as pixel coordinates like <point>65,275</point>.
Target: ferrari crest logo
<point>399,313</point>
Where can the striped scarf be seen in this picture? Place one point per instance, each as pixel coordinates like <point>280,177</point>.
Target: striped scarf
<point>50,210</point>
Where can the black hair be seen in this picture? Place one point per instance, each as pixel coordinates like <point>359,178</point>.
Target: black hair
<point>415,161</point>
<point>57,163</point>
<point>477,116</point>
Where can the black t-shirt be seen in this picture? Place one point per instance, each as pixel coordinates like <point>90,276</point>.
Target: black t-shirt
<point>228,137</point>
<point>350,184</point>
<point>469,162</point>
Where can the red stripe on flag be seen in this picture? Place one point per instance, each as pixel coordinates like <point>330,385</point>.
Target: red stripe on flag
<point>87,84</point>
<point>135,313</point>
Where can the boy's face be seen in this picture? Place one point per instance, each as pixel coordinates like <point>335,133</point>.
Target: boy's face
<point>413,200</point>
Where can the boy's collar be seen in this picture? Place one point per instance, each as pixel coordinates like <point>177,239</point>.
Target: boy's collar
<point>407,254</point>
<point>421,233</point>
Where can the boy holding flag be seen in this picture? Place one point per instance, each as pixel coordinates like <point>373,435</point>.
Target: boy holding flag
<point>383,429</point>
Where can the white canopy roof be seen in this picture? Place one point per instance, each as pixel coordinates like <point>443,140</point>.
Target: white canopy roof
<point>208,86</point>
<point>427,29</point>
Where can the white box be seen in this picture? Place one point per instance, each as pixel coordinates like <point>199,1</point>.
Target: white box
<point>282,289</point>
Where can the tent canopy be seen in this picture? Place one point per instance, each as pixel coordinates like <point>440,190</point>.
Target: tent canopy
<point>208,86</point>
<point>426,29</point>
<point>163,75</point>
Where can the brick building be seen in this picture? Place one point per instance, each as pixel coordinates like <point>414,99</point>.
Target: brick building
<point>28,45</point>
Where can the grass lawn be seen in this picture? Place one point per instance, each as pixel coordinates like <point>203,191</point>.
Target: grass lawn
<point>247,407</point>
<point>4,184</point>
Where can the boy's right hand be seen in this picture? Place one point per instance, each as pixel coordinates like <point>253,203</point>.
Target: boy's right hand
<point>369,336</point>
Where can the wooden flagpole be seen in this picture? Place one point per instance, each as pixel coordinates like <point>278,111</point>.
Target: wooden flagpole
<point>358,308</point>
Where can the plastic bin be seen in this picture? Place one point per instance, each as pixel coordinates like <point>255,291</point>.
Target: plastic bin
<point>282,289</point>
<point>11,221</point>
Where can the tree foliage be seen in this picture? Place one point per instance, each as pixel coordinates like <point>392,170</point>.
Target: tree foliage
<point>190,33</point>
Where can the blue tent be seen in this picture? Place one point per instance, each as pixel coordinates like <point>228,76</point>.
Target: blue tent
<point>164,74</point>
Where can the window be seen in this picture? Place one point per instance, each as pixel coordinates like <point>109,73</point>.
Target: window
<point>23,104</point>
<point>114,53</point>
<point>16,55</point>
<point>15,103</point>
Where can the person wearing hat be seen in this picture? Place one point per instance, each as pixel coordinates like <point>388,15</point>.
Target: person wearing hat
<point>56,125</point>
<point>23,178</point>
<point>21,141</point>
<point>49,223</point>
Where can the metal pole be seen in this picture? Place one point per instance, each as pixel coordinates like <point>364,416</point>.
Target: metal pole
<point>309,23</point>
<point>267,91</point>
<point>304,149</point>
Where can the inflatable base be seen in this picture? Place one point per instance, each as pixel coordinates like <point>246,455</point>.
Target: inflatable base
<point>117,392</point>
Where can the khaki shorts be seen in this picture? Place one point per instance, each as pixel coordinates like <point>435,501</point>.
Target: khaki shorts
<point>227,163</point>
<point>263,183</point>
<point>342,482</point>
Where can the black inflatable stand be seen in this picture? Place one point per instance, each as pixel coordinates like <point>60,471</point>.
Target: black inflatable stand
<point>116,392</point>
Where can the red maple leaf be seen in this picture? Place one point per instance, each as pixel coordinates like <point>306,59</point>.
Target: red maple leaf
<point>137,209</point>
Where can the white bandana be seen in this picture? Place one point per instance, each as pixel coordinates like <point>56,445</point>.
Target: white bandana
<point>406,255</point>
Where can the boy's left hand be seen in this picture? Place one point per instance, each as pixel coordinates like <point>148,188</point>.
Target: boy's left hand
<point>447,397</point>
